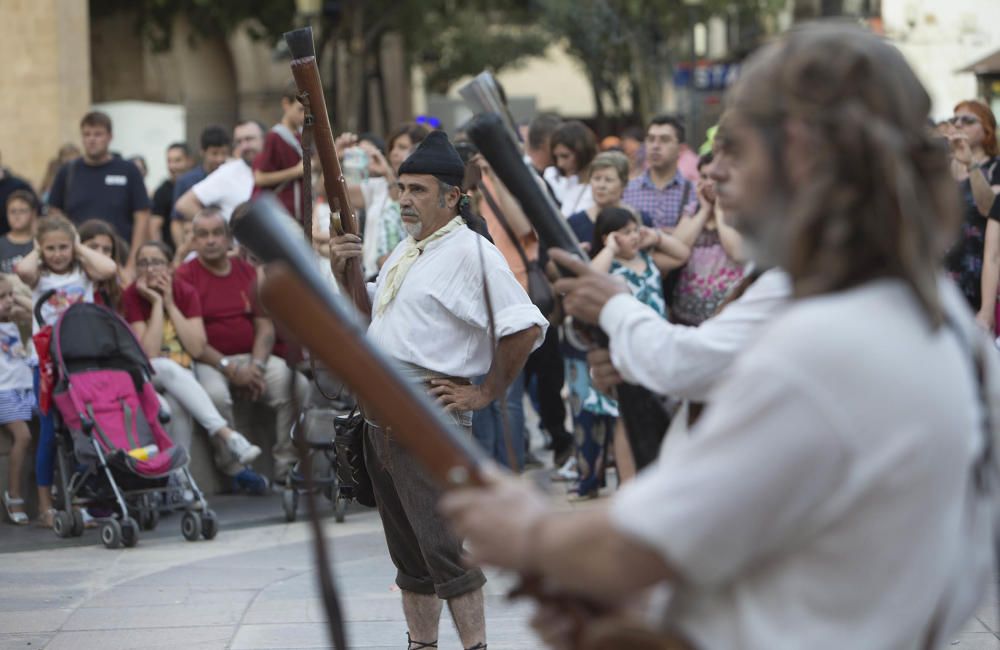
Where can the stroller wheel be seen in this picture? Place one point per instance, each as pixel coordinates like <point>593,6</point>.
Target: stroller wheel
<point>62,524</point>
<point>78,523</point>
<point>339,509</point>
<point>111,534</point>
<point>130,532</point>
<point>209,524</point>
<point>191,526</point>
<point>290,503</point>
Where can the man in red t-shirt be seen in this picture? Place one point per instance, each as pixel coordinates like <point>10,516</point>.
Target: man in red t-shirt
<point>240,339</point>
<point>278,167</point>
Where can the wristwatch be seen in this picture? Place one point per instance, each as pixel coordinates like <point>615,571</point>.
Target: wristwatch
<point>224,364</point>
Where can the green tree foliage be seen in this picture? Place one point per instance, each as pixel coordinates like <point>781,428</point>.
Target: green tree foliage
<point>636,43</point>
<point>449,39</point>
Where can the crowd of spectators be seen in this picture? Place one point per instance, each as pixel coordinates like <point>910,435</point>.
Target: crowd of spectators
<point>638,201</point>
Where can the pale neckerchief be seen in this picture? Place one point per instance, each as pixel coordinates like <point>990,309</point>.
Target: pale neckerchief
<point>412,249</point>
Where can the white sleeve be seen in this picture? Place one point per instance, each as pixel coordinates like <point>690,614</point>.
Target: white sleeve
<point>513,310</point>
<point>756,476</point>
<point>213,188</point>
<point>684,361</point>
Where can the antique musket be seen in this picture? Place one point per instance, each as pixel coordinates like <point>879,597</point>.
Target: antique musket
<point>297,296</point>
<point>307,80</point>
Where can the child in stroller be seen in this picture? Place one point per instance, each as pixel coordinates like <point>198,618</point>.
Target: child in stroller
<point>112,451</point>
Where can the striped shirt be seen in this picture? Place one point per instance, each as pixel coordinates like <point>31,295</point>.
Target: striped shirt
<point>662,206</point>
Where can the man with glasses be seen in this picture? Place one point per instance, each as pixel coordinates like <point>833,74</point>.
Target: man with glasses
<point>166,315</point>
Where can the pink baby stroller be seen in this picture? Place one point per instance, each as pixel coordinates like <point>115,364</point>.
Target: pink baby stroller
<point>113,455</point>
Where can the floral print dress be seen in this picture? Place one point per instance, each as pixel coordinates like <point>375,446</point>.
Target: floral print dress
<point>705,281</point>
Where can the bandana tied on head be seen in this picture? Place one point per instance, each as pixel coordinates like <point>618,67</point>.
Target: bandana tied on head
<point>434,156</point>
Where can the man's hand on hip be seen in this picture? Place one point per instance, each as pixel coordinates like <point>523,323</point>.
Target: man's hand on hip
<point>459,397</point>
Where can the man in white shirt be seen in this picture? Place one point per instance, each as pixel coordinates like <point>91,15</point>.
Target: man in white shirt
<point>429,313</point>
<point>232,182</point>
<point>830,497</point>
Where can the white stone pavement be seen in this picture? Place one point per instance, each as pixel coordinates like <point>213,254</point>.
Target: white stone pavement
<point>252,588</point>
<point>249,589</point>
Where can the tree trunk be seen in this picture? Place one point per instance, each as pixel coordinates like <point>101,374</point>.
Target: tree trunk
<point>600,118</point>
<point>383,100</point>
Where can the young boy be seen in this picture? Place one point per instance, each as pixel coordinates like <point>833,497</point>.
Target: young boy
<point>22,210</point>
<point>278,167</point>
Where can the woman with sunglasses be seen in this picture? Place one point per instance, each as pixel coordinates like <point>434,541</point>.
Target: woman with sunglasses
<point>974,259</point>
<point>165,314</point>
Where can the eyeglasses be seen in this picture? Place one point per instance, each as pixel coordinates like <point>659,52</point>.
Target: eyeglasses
<point>151,263</point>
<point>964,120</point>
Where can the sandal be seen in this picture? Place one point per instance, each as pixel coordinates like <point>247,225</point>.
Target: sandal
<point>478,646</point>
<point>46,518</point>
<point>418,645</point>
<point>17,517</point>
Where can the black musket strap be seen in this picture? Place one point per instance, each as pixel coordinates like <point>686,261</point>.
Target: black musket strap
<point>986,476</point>
<point>308,125</point>
<point>307,184</point>
<point>494,347</point>
<point>328,587</point>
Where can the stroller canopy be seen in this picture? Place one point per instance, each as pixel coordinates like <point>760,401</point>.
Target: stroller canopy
<point>89,336</point>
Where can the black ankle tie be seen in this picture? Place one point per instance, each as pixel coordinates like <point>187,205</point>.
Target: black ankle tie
<point>419,645</point>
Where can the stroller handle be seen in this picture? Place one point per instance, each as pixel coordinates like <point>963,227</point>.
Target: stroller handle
<point>38,306</point>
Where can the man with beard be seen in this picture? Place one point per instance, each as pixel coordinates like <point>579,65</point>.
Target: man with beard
<point>232,182</point>
<point>830,497</point>
<point>430,315</point>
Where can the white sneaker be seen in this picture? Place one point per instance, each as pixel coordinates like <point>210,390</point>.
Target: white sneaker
<point>241,448</point>
<point>568,471</point>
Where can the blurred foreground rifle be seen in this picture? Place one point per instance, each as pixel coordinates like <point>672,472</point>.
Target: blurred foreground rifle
<point>306,73</point>
<point>497,145</point>
<point>644,416</point>
<point>296,295</point>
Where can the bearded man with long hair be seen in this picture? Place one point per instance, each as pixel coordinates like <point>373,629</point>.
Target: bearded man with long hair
<point>833,493</point>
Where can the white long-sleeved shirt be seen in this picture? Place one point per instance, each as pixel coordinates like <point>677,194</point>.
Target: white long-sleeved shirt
<point>438,319</point>
<point>831,491</point>
<point>683,361</point>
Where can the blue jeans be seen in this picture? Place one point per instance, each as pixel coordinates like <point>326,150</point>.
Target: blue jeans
<point>487,426</point>
<point>45,457</point>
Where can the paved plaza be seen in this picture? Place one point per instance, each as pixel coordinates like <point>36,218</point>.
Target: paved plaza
<point>253,588</point>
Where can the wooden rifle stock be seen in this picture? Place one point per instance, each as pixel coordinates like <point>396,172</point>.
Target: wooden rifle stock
<point>308,82</point>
